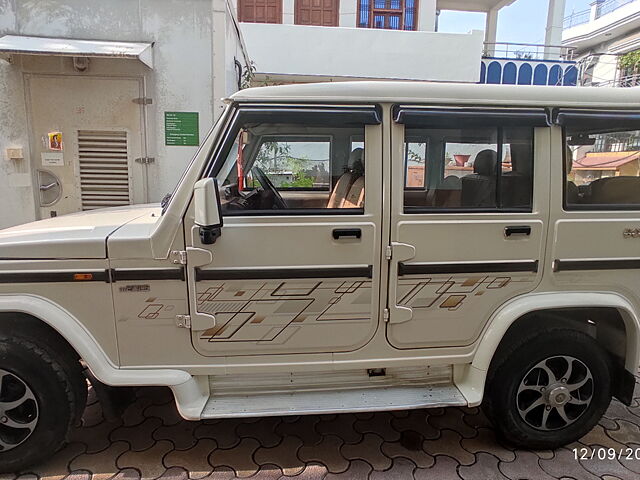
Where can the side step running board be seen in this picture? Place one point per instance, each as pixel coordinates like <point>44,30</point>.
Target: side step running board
<point>336,401</point>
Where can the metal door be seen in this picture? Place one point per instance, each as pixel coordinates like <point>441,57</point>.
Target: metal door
<point>452,266</point>
<point>86,133</point>
<point>288,280</point>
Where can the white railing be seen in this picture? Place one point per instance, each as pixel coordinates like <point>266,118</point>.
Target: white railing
<point>528,51</point>
<point>577,18</point>
<point>627,81</point>
<point>601,9</point>
<point>609,6</point>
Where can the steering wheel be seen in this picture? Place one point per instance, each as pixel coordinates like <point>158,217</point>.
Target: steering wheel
<point>267,185</point>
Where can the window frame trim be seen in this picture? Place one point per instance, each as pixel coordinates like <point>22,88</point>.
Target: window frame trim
<point>217,155</point>
<point>561,118</point>
<point>586,207</point>
<point>416,210</point>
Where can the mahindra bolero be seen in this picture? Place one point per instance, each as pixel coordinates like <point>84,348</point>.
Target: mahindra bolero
<point>352,246</point>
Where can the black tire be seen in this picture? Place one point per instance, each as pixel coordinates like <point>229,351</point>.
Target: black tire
<point>526,362</point>
<point>56,383</point>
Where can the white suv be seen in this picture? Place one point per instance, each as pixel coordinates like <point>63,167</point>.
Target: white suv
<point>349,247</point>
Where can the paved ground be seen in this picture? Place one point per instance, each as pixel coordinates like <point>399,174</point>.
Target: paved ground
<point>152,442</point>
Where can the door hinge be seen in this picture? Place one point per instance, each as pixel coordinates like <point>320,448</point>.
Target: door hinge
<point>388,252</point>
<point>145,160</point>
<point>179,257</point>
<point>143,101</point>
<point>385,315</point>
<point>183,321</point>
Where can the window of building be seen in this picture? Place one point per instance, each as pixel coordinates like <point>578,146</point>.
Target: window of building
<point>323,13</point>
<point>287,169</point>
<point>389,14</point>
<point>260,11</point>
<point>468,169</point>
<point>602,167</point>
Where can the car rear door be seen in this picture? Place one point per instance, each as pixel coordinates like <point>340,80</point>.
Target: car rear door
<point>468,218</point>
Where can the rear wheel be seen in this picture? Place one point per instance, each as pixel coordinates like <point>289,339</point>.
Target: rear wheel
<point>40,399</point>
<point>549,389</point>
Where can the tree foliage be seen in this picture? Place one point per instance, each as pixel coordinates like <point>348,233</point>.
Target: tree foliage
<point>630,61</point>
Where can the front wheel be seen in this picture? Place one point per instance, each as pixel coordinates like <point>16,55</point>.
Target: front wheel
<point>549,389</point>
<point>40,399</point>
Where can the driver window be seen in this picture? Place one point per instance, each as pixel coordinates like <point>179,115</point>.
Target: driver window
<point>289,169</point>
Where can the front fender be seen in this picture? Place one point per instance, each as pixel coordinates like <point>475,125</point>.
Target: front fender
<point>86,345</point>
<point>470,379</point>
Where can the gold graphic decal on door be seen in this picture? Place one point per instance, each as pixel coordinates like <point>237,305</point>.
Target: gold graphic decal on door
<point>277,311</point>
<point>452,293</point>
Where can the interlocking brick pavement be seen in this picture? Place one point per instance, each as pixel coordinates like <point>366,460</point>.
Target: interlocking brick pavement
<point>151,441</point>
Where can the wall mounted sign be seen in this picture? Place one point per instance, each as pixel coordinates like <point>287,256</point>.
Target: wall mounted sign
<point>181,128</point>
<point>52,159</point>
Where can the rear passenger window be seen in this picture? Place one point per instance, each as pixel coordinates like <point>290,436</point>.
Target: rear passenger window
<point>602,166</point>
<point>468,169</point>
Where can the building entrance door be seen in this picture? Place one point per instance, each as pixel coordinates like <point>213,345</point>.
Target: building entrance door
<point>86,133</point>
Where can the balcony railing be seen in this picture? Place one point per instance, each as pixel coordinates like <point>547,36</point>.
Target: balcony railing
<point>577,18</point>
<point>601,9</point>
<point>609,6</point>
<point>528,51</point>
<point>627,81</point>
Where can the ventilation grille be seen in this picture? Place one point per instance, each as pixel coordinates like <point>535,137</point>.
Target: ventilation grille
<point>104,169</point>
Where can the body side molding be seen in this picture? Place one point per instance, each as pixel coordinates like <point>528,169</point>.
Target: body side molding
<point>455,268</point>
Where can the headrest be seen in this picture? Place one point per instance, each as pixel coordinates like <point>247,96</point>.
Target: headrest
<point>485,163</point>
<point>451,182</point>
<point>356,160</point>
<point>357,155</point>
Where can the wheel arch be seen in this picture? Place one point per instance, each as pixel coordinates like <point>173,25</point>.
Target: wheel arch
<point>73,333</point>
<point>520,312</point>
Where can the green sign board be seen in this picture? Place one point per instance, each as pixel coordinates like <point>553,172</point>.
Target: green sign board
<point>181,128</point>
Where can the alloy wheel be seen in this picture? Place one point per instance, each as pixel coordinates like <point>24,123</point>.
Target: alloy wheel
<point>555,393</point>
<point>18,411</point>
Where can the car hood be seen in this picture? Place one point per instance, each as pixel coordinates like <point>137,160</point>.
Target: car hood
<point>78,235</point>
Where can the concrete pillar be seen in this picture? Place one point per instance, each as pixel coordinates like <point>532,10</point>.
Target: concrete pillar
<point>288,12</point>
<point>218,53</point>
<point>427,16</point>
<point>553,33</point>
<point>595,6</point>
<point>348,13</point>
<point>491,32</point>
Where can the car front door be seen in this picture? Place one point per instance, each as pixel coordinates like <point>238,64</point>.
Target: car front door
<point>297,266</point>
<point>468,219</point>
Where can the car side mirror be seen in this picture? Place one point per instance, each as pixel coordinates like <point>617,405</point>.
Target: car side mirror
<point>208,210</point>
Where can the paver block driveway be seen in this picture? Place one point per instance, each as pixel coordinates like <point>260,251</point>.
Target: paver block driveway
<point>152,441</point>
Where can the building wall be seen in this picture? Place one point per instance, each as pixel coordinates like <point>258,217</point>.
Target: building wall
<point>359,53</point>
<point>348,13</point>
<point>194,47</point>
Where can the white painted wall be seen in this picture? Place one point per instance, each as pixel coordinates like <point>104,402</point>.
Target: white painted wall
<point>363,53</point>
<point>195,43</point>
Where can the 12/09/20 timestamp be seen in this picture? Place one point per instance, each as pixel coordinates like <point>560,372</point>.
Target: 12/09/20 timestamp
<point>606,453</point>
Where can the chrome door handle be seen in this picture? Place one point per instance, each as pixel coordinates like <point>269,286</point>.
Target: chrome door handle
<point>517,230</point>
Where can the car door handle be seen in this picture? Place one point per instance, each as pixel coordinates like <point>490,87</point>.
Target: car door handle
<point>517,230</point>
<point>347,233</point>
